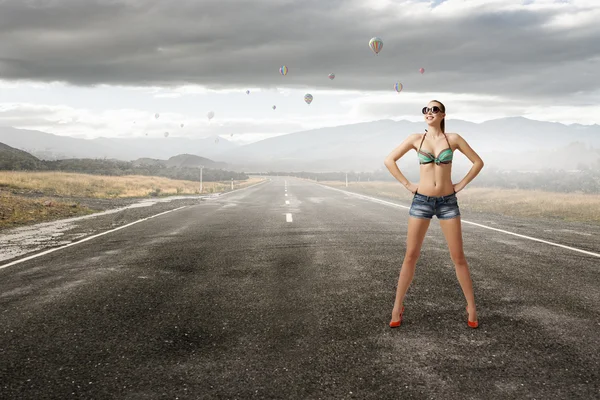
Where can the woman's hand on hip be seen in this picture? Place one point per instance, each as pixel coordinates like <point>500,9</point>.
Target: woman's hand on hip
<point>412,187</point>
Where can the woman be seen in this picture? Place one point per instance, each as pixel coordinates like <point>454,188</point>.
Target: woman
<point>435,194</point>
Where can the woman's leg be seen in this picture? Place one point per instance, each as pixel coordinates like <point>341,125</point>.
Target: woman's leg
<point>453,234</point>
<point>417,228</point>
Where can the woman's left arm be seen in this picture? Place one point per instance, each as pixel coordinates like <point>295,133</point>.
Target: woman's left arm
<point>464,148</point>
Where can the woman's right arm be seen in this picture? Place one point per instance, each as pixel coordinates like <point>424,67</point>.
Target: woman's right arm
<point>390,160</point>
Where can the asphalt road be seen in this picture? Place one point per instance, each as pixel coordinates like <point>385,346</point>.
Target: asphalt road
<point>245,296</point>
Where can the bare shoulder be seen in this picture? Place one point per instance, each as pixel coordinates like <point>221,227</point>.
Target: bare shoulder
<point>415,139</point>
<point>455,139</point>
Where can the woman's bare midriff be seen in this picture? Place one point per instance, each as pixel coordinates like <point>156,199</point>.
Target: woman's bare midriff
<point>435,180</point>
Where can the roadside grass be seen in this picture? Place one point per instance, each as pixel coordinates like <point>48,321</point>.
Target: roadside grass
<point>106,187</point>
<point>32,197</point>
<point>19,210</point>
<point>573,207</point>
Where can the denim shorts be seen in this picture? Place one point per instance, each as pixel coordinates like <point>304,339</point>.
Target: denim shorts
<point>443,207</point>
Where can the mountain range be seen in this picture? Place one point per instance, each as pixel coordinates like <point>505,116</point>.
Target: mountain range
<point>506,143</point>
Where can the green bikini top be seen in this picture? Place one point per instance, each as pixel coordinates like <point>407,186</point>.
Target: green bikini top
<point>445,156</point>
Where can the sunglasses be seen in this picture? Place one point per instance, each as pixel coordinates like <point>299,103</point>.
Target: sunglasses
<point>434,110</point>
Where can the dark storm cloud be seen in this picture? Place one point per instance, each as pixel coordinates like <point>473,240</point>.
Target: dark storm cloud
<point>224,43</point>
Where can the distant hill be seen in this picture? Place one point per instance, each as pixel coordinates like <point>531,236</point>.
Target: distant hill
<point>184,166</point>
<point>15,159</point>
<point>514,143</point>
<point>47,146</point>
<point>190,160</point>
<point>181,161</point>
<point>506,143</point>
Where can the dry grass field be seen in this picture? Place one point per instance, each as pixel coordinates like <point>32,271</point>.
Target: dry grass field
<point>27,197</point>
<point>30,197</point>
<point>106,187</point>
<point>515,202</point>
<point>19,210</point>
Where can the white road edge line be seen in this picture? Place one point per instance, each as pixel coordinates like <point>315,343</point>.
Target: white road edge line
<point>104,233</point>
<point>389,203</point>
<point>86,239</point>
<point>288,217</point>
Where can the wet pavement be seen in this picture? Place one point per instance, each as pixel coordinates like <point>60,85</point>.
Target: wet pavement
<point>285,291</point>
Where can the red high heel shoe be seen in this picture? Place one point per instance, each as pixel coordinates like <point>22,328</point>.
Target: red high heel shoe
<point>472,324</point>
<point>395,324</point>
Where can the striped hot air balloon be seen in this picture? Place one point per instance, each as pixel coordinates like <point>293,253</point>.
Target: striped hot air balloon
<point>376,44</point>
<point>398,87</point>
<point>283,70</point>
<point>308,98</point>
<point>332,76</point>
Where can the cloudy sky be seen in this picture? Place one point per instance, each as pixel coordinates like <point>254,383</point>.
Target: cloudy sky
<point>105,67</point>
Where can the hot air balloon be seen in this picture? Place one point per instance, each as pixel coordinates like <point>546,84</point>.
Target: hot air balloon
<point>376,44</point>
<point>274,107</point>
<point>247,92</point>
<point>156,115</point>
<point>166,134</point>
<point>283,70</point>
<point>332,76</point>
<point>216,140</point>
<point>308,98</point>
<point>398,87</point>
<point>421,70</point>
<point>231,135</point>
<point>210,115</point>
<point>181,125</point>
